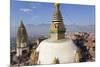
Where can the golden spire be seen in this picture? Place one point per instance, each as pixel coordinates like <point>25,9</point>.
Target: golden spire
<point>57,15</point>
<point>56,5</point>
<point>57,28</point>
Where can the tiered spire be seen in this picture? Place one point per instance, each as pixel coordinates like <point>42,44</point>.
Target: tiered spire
<point>21,34</point>
<point>57,15</point>
<point>21,24</point>
<point>57,28</point>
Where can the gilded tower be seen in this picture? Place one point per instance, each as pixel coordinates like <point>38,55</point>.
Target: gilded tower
<point>57,27</point>
<point>21,40</point>
<point>48,50</point>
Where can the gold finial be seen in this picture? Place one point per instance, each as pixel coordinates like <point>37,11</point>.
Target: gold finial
<point>56,5</point>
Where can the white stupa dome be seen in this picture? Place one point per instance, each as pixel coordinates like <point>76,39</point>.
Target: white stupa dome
<point>57,49</point>
<point>64,50</point>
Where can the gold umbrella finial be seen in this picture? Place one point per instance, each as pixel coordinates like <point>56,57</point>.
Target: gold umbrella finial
<point>56,5</point>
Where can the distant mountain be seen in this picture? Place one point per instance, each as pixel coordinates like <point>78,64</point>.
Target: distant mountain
<point>80,28</point>
<point>43,29</point>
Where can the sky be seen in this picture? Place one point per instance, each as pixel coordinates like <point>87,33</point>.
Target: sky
<point>42,13</point>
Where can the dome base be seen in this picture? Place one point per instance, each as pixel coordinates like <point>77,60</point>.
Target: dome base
<point>64,50</point>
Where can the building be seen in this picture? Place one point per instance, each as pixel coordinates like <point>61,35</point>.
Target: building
<point>21,40</point>
<point>57,49</point>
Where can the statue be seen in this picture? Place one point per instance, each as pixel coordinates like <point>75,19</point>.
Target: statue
<point>56,61</point>
<point>34,57</point>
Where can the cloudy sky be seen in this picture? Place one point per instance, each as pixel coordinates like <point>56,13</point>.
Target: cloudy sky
<point>42,13</point>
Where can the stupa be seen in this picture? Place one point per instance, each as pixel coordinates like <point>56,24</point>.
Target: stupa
<point>57,49</point>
